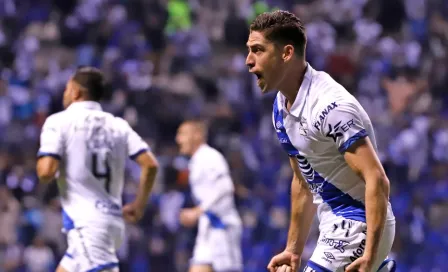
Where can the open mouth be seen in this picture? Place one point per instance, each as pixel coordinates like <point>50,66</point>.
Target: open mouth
<point>258,75</point>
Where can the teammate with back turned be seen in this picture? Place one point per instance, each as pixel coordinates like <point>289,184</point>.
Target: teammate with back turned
<point>332,151</point>
<point>92,146</point>
<point>218,241</point>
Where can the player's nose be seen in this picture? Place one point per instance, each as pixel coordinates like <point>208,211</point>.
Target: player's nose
<point>250,62</point>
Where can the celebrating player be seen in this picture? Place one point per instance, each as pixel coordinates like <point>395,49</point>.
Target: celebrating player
<point>332,150</point>
<point>92,146</point>
<point>218,242</point>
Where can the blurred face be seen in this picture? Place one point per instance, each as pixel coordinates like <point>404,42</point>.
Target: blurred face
<point>188,138</point>
<point>265,60</point>
<point>71,93</point>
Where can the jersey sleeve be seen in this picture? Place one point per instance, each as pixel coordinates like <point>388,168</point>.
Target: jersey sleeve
<point>341,123</point>
<point>135,144</point>
<point>51,141</point>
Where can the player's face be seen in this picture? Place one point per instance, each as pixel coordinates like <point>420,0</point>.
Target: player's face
<point>186,139</point>
<point>71,93</point>
<point>265,61</point>
<point>68,94</point>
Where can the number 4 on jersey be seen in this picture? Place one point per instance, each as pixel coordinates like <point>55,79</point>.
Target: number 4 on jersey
<point>99,160</point>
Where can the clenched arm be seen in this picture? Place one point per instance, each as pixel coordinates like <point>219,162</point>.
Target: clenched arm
<point>302,211</point>
<point>363,160</point>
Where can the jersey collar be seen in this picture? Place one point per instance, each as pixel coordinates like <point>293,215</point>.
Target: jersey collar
<point>90,105</point>
<point>297,107</point>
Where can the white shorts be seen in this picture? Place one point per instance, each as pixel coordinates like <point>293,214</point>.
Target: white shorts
<point>344,242</point>
<point>92,249</point>
<point>220,248</point>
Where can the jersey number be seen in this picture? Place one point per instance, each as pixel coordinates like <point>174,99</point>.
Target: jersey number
<point>99,160</point>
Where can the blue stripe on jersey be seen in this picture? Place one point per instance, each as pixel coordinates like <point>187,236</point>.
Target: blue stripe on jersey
<point>342,204</point>
<point>138,153</point>
<point>103,267</point>
<point>48,154</point>
<point>315,267</point>
<point>67,222</point>
<point>215,221</point>
<point>361,134</point>
<point>281,132</point>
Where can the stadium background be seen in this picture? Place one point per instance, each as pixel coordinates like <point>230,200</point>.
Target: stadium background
<point>167,60</point>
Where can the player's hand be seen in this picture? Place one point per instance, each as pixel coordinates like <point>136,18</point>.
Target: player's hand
<point>189,217</point>
<point>284,262</point>
<point>132,212</point>
<point>362,264</point>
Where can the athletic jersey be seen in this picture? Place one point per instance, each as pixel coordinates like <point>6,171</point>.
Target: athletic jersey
<point>93,147</point>
<point>212,187</point>
<point>323,122</point>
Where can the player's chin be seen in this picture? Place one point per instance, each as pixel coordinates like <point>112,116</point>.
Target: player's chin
<point>265,89</point>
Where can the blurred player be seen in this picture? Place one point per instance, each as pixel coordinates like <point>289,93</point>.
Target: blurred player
<point>331,145</point>
<point>218,242</point>
<point>92,146</point>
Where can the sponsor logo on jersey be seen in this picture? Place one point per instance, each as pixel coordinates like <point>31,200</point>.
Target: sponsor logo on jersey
<point>324,114</point>
<point>278,125</point>
<point>337,130</point>
<point>108,207</point>
<point>335,243</point>
<point>359,251</point>
<point>316,188</point>
<point>328,257</point>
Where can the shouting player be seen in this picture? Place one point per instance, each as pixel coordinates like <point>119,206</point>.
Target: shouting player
<point>332,151</point>
<point>218,242</point>
<point>92,147</point>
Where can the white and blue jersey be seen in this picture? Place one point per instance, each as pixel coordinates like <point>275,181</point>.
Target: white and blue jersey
<point>323,122</point>
<point>218,242</point>
<point>93,147</point>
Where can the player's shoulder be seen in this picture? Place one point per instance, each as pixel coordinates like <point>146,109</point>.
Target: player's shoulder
<point>209,156</point>
<point>329,95</point>
<point>57,119</point>
<point>330,99</point>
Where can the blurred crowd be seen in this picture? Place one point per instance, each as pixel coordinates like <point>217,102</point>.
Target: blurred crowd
<point>167,60</point>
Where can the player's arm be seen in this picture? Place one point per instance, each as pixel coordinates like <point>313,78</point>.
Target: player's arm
<point>362,158</point>
<point>302,211</point>
<point>344,127</point>
<point>149,166</point>
<point>138,150</point>
<point>216,177</point>
<point>50,150</point>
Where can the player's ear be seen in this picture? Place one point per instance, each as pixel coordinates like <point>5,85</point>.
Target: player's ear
<point>76,92</point>
<point>288,52</point>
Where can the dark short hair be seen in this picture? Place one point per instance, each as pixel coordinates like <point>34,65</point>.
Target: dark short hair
<point>281,27</point>
<point>91,79</point>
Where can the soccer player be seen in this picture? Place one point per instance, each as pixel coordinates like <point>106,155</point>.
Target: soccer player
<point>92,146</point>
<point>218,242</point>
<point>332,151</point>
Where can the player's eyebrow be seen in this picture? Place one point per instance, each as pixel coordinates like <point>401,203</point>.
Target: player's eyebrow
<point>254,45</point>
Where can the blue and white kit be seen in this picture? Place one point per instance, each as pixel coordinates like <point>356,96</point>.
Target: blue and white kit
<point>218,242</point>
<point>323,122</point>
<point>93,147</point>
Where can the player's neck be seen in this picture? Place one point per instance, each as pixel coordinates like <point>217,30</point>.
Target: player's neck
<point>196,148</point>
<point>291,83</point>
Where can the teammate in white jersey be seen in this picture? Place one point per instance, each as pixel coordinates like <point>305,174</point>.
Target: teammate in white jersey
<point>331,144</point>
<point>218,242</point>
<point>92,147</point>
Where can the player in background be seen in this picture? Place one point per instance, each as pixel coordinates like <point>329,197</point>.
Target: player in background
<point>218,241</point>
<point>91,147</point>
<point>331,145</point>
